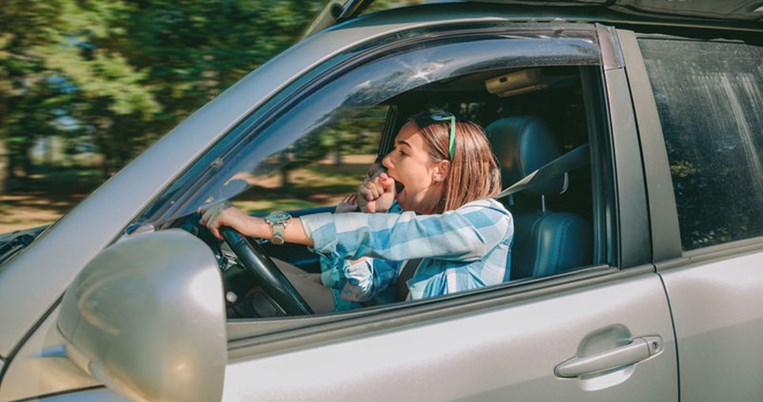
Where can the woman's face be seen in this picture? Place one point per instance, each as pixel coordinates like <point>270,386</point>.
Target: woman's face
<point>414,171</point>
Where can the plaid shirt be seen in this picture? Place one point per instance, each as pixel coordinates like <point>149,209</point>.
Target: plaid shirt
<point>463,249</point>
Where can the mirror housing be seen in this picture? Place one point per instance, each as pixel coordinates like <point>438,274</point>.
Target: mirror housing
<point>146,317</point>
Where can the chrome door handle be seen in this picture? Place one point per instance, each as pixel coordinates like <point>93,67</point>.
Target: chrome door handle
<point>639,349</point>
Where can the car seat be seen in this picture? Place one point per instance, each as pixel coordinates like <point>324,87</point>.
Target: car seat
<point>545,242</point>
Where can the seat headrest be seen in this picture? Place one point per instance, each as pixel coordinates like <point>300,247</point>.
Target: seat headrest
<point>523,144</point>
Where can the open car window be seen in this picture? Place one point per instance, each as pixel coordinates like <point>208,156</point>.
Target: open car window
<point>317,169</point>
<point>433,73</point>
<point>303,153</point>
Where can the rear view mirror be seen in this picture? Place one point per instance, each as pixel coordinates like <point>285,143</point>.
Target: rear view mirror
<point>146,318</point>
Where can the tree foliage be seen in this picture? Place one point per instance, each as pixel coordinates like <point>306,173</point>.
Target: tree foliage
<point>117,74</point>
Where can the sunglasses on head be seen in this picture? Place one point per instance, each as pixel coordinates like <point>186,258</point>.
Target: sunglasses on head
<point>426,119</point>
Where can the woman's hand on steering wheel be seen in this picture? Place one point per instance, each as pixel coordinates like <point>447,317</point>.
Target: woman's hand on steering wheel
<point>225,214</point>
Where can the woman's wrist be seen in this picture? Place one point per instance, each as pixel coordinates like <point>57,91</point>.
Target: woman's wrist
<point>257,227</point>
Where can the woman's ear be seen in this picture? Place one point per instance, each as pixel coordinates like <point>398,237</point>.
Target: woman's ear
<point>441,171</point>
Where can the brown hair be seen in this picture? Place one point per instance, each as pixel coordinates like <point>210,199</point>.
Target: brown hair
<point>473,172</point>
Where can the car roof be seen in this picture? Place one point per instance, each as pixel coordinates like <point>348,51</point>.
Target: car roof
<point>738,10</point>
<point>696,12</point>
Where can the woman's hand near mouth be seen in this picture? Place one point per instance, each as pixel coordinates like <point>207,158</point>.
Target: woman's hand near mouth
<point>376,194</point>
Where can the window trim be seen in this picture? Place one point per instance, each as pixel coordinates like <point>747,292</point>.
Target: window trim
<point>630,214</point>
<point>287,334</point>
<point>663,216</point>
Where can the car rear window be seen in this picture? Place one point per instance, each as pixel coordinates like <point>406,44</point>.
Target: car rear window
<point>710,104</point>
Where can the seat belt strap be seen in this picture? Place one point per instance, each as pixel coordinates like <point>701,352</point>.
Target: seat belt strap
<point>401,283</point>
<point>570,161</point>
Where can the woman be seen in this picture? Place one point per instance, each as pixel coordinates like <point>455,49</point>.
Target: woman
<point>440,177</point>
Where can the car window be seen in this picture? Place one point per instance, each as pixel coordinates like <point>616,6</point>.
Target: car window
<point>311,150</point>
<point>318,169</point>
<point>709,97</point>
<point>297,121</point>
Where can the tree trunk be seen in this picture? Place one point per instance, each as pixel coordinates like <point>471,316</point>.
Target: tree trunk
<point>285,169</point>
<point>338,157</point>
<point>4,165</point>
<point>285,183</point>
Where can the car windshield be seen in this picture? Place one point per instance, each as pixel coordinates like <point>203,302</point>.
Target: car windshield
<point>12,243</point>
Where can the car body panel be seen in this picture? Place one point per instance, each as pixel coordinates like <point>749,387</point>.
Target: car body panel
<point>87,395</point>
<point>718,319</point>
<point>737,10</point>
<point>727,9</point>
<point>713,292</point>
<point>480,356</point>
<point>505,349</point>
<point>41,366</point>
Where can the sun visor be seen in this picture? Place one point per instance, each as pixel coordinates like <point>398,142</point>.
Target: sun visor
<point>517,83</point>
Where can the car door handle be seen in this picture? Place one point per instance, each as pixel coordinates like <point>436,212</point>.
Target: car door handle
<point>639,349</point>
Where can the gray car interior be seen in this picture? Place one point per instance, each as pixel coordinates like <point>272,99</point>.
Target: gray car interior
<point>545,242</point>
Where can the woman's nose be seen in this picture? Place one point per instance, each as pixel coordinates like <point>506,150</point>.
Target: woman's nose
<point>387,162</point>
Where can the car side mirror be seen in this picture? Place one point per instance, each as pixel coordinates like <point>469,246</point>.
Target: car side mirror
<point>146,317</point>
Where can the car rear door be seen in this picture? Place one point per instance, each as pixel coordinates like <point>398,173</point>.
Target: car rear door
<point>699,98</point>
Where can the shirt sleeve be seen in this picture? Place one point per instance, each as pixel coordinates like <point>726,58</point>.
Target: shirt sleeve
<point>367,278</point>
<point>465,234</point>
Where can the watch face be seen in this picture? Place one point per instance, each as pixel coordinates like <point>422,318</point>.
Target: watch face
<point>278,217</point>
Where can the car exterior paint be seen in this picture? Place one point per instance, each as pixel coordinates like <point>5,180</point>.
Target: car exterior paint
<point>696,304</point>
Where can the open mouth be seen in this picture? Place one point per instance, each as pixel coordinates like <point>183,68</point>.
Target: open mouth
<point>399,187</point>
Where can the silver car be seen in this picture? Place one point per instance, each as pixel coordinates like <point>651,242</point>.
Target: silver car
<point>629,138</point>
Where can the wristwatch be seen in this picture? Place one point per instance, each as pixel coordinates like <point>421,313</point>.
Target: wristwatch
<point>277,221</point>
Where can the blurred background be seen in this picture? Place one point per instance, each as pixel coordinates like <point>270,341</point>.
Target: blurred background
<point>87,85</point>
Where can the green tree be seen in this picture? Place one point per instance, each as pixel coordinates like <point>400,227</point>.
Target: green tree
<point>124,72</point>
<point>23,26</point>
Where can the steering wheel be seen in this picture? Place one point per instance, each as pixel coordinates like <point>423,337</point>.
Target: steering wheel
<point>266,273</point>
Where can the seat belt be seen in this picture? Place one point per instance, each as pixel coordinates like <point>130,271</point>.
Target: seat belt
<point>406,272</point>
<point>572,160</point>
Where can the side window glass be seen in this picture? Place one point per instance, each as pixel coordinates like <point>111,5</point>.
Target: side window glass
<point>318,169</point>
<point>710,101</point>
<point>307,153</point>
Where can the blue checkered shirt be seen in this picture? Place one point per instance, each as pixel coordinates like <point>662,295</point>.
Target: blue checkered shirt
<point>463,249</point>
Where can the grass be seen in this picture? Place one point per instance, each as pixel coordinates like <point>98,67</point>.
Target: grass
<point>49,193</point>
<point>45,196</point>
<point>321,184</point>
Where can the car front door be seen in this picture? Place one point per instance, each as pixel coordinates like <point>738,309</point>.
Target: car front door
<point>601,332</point>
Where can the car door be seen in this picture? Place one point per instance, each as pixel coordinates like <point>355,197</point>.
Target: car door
<point>699,119</point>
<point>600,332</point>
